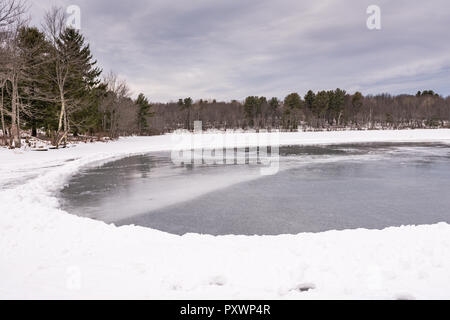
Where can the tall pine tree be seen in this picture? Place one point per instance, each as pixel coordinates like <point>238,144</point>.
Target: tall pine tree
<point>143,114</point>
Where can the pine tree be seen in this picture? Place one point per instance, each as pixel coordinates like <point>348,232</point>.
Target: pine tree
<point>357,103</point>
<point>252,108</point>
<point>337,101</point>
<point>72,70</point>
<point>274,104</point>
<point>143,113</point>
<point>84,92</point>
<point>38,113</point>
<point>293,101</point>
<point>309,99</point>
<point>321,104</point>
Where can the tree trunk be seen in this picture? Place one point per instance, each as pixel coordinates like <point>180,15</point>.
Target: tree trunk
<point>33,128</point>
<point>61,118</point>
<point>66,128</point>
<point>15,133</point>
<point>4,136</point>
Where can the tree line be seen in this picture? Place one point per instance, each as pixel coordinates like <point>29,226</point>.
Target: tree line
<point>50,83</point>
<point>323,110</point>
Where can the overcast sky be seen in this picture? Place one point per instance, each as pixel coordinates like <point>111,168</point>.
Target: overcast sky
<point>230,49</point>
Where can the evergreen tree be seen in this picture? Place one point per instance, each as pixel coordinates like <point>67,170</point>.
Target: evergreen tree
<point>357,103</point>
<point>143,113</point>
<point>252,108</point>
<point>274,103</point>
<point>321,104</point>
<point>309,99</point>
<point>73,72</point>
<point>84,90</point>
<point>293,101</point>
<point>250,105</point>
<point>34,50</point>
<point>337,101</point>
<point>428,93</point>
<point>188,103</point>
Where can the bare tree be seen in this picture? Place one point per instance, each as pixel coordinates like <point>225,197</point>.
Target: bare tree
<point>54,26</point>
<point>12,65</point>
<point>3,78</point>
<point>2,116</point>
<point>114,106</point>
<point>71,71</point>
<point>10,11</point>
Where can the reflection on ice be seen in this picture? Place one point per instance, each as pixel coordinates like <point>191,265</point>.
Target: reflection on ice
<point>317,189</point>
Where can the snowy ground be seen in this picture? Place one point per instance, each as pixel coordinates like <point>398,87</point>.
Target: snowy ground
<point>48,253</point>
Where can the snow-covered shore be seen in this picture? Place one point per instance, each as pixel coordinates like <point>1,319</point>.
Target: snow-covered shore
<point>48,253</point>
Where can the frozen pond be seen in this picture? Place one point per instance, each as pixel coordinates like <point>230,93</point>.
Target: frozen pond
<point>316,189</point>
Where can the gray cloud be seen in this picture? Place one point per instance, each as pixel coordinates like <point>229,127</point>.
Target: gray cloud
<point>229,49</point>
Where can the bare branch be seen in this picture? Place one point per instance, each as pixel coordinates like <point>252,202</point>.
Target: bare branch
<point>11,10</point>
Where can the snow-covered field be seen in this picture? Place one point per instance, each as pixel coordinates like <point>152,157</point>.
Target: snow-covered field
<point>48,253</point>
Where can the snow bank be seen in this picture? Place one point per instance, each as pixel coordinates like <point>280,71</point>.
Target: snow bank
<point>48,253</point>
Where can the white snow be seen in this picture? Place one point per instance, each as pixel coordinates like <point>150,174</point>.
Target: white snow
<point>48,253</point>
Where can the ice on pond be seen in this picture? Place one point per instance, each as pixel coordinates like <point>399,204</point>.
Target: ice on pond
<point>317,188</point>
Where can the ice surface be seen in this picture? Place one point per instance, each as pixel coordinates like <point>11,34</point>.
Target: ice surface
<point>317,189</point>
